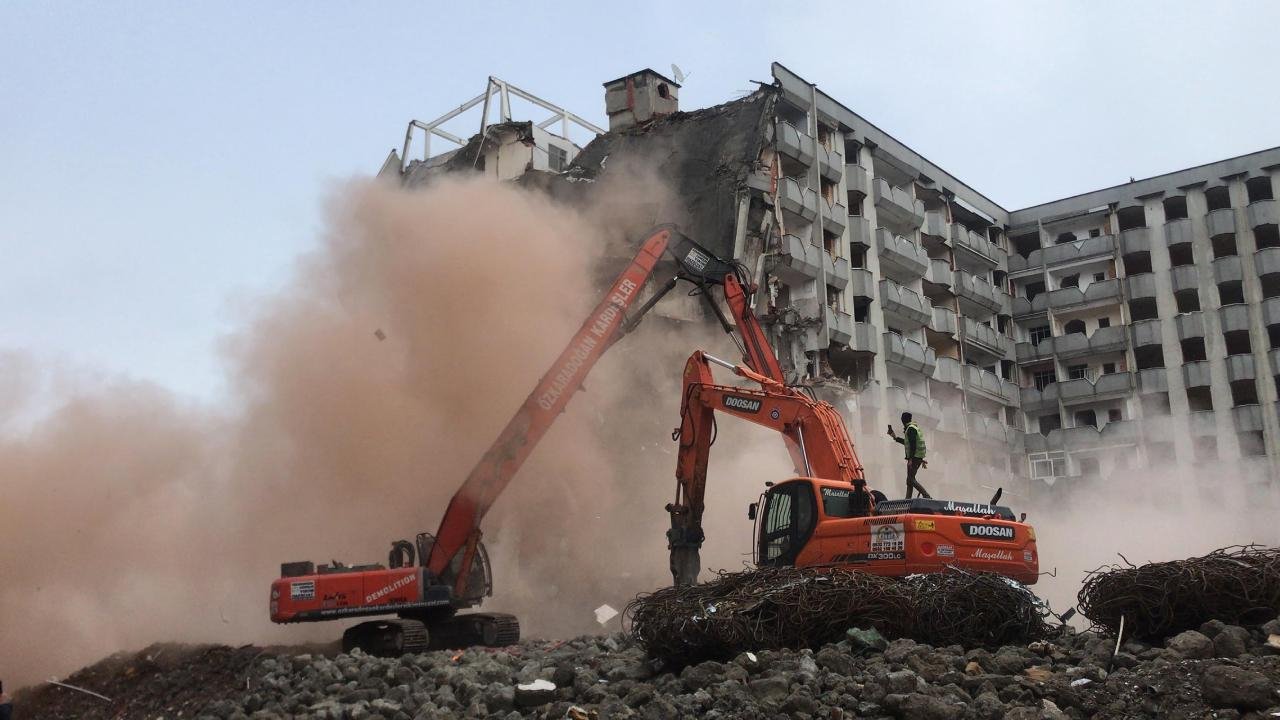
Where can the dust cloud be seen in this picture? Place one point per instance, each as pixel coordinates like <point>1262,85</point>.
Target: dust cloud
<point>362,394</point>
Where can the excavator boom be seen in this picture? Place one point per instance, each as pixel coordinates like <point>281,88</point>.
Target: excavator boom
<point>460,527</point>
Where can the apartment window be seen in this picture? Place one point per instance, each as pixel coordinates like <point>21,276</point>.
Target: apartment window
<point>1218,198</point>
<point>1074,327</point>
<point>1065,237</point>
<point>1043,332</point>
<point>1181,254</point>
<point>557,158</point>
<point>1265,236</point>
<point>1137,263</point>
<point>1048,465</point>
<point>1148,357</point>
<point>1114,415</point>
<point>1230,293</point>
<point>1099,277</point>
<point>1251,443</point>
<point>1086,418</point>
<point>1259,189</point>
<point>1049,423</point>
<point>1143,309</point>
<point>1273,335</point>
<point>1244,392</point>
<point>1187,300</point>
<point>1193,350</point>
<point>1224,246</point>
<point>1044,378</point>
<point>1024,245</point>
<point>1175,208</point>
<point>1108,368</point>
<point>1199,399</point>
<point>852,151</point>
<point>1077,372</point>
<point>1155,404</point>
<point>1070,281</point>
<point>1132,217</point>
<point>1034,289</point>
<point>1104,322</point>
<point>1095,232</point>
<point>1237,342</point>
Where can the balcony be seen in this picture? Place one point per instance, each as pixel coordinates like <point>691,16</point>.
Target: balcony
<point>1146,332</point>
<point>863,338</point>
<point>939,273</point>
<point>1108,339</point>
<point>1111,385</point>
<point>860,231</point>
<point>1087,437</point>
<point>900,258</point>
<point>834,217</point>
<point>1093,247</point>
<point>1026,352</point>
<point>1017,263</point>
<point>990,385</point>
<point>1190,325</point>
<point>1263,212</point>
<point>830,164</point>
<point>909,354</point>
<point>1140,287</point>
<point>1248,418</point>
<point>1046,399</point>
<point>897,206</point>
<point>948,371</point>
<point>943,321</point>
<point>1227,269</point>
<point>980,296</point>
<point>857,179</point>
<point>1270,309</point>
<point>904,304</point>
<point>861,283</point>
<point>976,246</point>
<point>840,325</point>
<point>1221,222</point>
<point>1240,367</point>
<point>797,200</point>
<point>1135,240</point>
<point>795,144</point>
<point>1197,374</point>
<point>1234,317</point>
<point>1096,292</point>
<point>798,260</point>
<point>1184,277</point>
<point>1177,232</point>
<point>935,224</point>
<point>1203,423</point>
<point>926,411</point>
<point>985,430</point>
<point>1158,427</point>
<point>837,271</point>
<point>1267,261</point>
<point>1153,380</point>
<point>1022,306</point>
<point>985,338</point>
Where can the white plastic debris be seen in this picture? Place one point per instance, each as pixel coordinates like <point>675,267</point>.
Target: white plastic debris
<point>604,614</point>
<point>1080,682</point>
<point>751,656</point>
<point>536,685</point>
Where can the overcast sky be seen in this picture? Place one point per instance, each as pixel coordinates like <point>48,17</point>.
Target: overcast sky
<point>162,164</point>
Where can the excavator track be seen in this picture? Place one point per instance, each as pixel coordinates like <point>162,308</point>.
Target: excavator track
<point>387,638</point>
<point>471,629</point>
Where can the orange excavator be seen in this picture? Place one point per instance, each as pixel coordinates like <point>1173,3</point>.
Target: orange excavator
<point>453,571</point>
<point>827,515</point>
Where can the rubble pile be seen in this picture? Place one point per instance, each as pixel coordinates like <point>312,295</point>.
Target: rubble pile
<point>792,608</point>
<point>1238,584</point>
<point>1220,671</point>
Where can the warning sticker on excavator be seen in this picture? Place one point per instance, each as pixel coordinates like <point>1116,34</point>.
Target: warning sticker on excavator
<point>926,525</point>
<point>888,539</point>
<point>305,590</point>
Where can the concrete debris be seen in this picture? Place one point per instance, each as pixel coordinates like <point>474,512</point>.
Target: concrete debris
<point>591,678</point>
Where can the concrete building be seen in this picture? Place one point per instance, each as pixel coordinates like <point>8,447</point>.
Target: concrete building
<point>1124,329</point>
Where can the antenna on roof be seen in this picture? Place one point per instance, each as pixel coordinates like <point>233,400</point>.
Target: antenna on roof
<point>678,75</point>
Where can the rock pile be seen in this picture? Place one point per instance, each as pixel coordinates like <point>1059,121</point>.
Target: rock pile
<point>1217,671</point>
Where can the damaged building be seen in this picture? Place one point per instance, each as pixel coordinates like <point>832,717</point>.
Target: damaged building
<point>1131,327</point>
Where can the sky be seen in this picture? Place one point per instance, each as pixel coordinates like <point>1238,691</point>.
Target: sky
<point>164,165</point>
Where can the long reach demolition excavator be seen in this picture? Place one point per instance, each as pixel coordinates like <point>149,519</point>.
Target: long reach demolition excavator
<point>453,571</point>
<point>827,514</point>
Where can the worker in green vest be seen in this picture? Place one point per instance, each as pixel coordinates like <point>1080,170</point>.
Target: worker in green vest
<point>912,441</point>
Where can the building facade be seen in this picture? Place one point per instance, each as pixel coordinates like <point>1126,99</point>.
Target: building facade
<point>1125,330</point>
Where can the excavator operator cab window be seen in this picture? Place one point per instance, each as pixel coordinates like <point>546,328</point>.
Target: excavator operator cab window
<point>844,503</point>
<point>789,515</point>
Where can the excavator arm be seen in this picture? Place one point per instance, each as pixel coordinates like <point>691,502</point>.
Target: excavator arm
<point>813,431</point>
<point>459,530</point>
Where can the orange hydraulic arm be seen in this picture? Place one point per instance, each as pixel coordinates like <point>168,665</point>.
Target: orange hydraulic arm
<point>460,527</point>
<point>814,431</point>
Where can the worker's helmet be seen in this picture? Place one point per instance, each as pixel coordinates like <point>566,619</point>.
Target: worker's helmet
<point>906,418</point>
